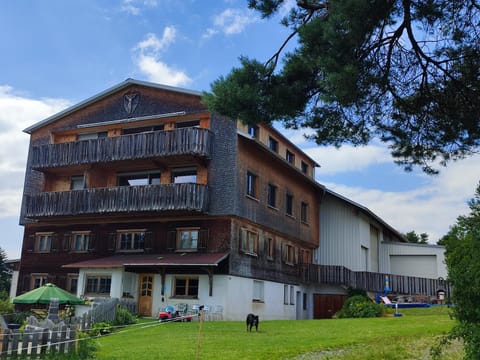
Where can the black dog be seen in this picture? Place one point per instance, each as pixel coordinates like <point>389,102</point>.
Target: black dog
<point>252,320</point>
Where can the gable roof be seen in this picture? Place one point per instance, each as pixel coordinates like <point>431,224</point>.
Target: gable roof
<point>104,94</point>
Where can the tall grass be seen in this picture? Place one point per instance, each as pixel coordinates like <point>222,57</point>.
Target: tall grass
<point>406,337</point>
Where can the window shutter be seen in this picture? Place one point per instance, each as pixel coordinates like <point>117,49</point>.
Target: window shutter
<point>112,239</point>
<point>171,240</point>
<point>92,242</point>
<point>148,244</point>
<point>26,283</point>
<point>203,239</point>
<point>67,238</point>
<point>54,246</point>
<point>31,243</point>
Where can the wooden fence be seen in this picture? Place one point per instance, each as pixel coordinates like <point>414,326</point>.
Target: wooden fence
<point>39,338</point>
<point>370,281</point>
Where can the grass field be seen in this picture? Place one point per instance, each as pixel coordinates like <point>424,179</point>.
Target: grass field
<point>406,337</point>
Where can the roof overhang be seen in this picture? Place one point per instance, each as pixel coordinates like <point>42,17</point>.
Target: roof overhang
<point>152,260</point>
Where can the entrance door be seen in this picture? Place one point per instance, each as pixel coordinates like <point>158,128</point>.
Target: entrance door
<point>145,295</point>
<point>325,306</point>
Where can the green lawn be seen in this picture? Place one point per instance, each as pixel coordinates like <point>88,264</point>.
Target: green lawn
<point>406,337</point>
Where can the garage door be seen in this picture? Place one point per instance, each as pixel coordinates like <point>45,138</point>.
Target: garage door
<point>414,265</point>
<point>325,306</point>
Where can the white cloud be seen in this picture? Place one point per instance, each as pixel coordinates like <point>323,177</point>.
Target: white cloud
<point>148,53</point>
<point>432,207</point>
<point>16,113</point>
<point>348,158</point>
<point>135,7</point>
<point>230,22</point>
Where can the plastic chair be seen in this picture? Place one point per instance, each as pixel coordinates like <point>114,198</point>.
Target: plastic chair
<point>217,312</point>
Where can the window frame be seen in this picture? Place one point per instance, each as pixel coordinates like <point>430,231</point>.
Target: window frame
<point>258,291</point>
<point>252,130</point>
<point>39,236</point>
<point>270,248</point>
<point>272,196</point>
<point>251,185</point>
<point>290,157</point>
<point>178,240</point>
<point>186,294</point>
<point>42,279</point>
<point>77,182</point>
<point>304,212</point>
<point>184,175</point>
<point>304,167</point>
<point>289,255</point>
<point>72,279</point>
<point>249,242</point>
<point>98,284</point>
<point>85,241</point>
<point>273,144</point>
<point>152,177</point>
<point>134,243</point>
<point>289,204</point>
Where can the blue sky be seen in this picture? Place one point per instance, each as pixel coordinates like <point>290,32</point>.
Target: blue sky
<point>57,53</point>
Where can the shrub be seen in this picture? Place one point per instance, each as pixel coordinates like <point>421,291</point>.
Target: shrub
<point>123,317</point>
<point>6,307</point>
<point>100,328</point>
<point>360,306</point>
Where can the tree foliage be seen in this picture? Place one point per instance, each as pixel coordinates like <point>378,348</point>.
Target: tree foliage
<point>402,71</point>
<point>462,257</point>
<point>413,237</point>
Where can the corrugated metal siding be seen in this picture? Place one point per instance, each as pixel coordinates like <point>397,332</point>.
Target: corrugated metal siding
<point>340,235</point>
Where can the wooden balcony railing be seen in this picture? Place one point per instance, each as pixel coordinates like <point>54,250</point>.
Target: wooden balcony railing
<point>168,197</point>
<point>370,281</point>
<point>186,141</point>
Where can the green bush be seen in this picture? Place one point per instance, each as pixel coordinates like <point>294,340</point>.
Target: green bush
<point>100,328</point>
<point>123,317</point>
<point>360,306</point>
<point>6,307</point>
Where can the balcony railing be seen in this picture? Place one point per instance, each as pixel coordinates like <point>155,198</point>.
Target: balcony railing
<point>168,197</point>
<point>187,141</point>
<point>370,281</point>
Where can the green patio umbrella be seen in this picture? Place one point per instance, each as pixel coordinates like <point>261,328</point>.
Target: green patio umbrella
<point>43,294</point>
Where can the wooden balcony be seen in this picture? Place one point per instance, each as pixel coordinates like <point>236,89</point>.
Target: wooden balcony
<point>123,199</point>
<point>370,281</point>
<point>187,141</point>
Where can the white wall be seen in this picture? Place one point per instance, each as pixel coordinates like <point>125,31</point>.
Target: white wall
<point>420,260</point>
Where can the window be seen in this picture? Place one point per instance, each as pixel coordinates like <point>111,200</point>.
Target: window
<point>270,248</point>
<point>80,241</point>
<point>189,123</point>
<point>131,240</point>
<point>304,302</point>
<point>273,144</point>
<point>187,239</point>
<point>43,242</point>
<point>304,212</point>
<point>98,284</point>
<point>258,291</point>
<point>304,168</point>
<point>249,241</point>
<point>251,184</point>
<point>285,295</point>
<point>141,129</point>
<point>289,204</point>
<point>92,136</point>
<point>290,157</point>
<point>272,195</point>
<point>184,175</point>
<point>185,287</point>
<point>77,182</point>
<point>38,280</point>
<point>72,283</point>
<point>292,295</point>
<point>253,131</point>
<point>139,178</point>
<point>289,254</point>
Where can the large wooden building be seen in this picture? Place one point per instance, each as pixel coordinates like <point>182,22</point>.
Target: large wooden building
<point>139,192</point>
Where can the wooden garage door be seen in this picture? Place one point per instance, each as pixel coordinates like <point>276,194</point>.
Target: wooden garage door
<point>325,306</point>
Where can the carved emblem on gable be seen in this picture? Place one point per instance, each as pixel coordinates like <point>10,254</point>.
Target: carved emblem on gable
<point>130,101</point>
